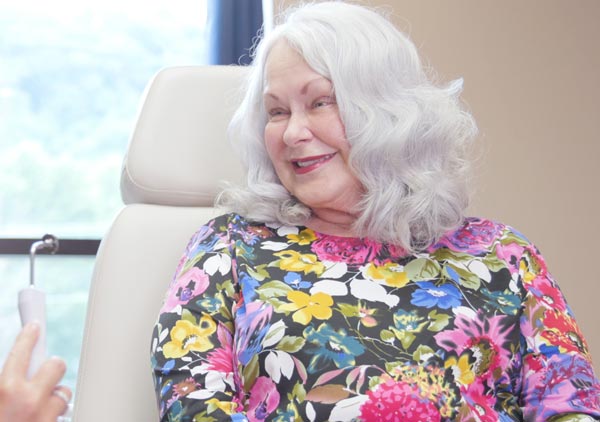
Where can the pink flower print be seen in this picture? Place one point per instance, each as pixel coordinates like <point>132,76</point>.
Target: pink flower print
<point>221,359</point>
<point>475,237</point>
<point>548,294</point>
<point>264,399</point>
<point>561,330</point>
<point>351,251</point>
<point>565,384</point>
<point>485,335</point>
<point>395,401</point>
<point>186,287</point>
<point>480,405</point>
<point>396,251</point>
<point>537,264</point>
<point>511,254</point>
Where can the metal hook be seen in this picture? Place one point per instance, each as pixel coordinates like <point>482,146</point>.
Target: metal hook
<point>50,243</point>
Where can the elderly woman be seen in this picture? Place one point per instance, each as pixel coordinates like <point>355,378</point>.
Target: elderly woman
<point>346,284</point>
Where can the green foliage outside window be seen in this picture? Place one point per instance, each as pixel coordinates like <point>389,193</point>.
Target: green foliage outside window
<point>71,78</point>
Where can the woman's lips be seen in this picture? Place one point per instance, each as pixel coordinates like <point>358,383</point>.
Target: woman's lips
<point>307,164</point>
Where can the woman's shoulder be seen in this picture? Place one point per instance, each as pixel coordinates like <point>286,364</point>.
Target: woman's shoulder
<point>234,224</point>
<point>224,221</point>
<point>481,236</point>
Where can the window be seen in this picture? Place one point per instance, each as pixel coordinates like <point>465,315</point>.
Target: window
<point>73,72</point>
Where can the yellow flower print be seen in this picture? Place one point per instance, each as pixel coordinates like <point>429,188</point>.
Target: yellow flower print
<point>305,237</point>
<point>228,407</point>
<point>186,337</point>
<point>308,306</point>
<point>432,383</point>
<point>527,275</point>
<point>461,368</point>
<point>527,270</point>
<point>390,272</point>
<point>295,261</point>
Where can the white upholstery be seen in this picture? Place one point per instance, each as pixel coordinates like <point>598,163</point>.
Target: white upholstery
<point>177,158</point>
<point>179,153</point>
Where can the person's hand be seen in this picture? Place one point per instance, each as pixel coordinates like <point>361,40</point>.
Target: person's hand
<point>39,399</point>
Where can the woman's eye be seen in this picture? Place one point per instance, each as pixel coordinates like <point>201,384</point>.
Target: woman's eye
<point>276,112</point>
<point>322,102</point>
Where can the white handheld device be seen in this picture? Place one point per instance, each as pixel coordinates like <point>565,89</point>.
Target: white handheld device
<point>32,303</point>
<point>32,307</point>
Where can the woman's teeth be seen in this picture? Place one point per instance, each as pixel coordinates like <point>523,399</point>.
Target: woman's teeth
<point>315,161</point>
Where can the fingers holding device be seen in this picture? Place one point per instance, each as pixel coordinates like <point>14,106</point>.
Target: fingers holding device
<point>29,390</point>
<point>35,399</point>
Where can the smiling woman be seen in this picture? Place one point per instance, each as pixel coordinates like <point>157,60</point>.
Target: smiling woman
<point>351,285</point>
<point>306,141</point>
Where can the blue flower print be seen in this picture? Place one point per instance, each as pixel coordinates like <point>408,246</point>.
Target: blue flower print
<point>504,301</point>
<point>429,295</point>
<point>210,304</point>
<point>249,237</point>
<point>253,325</point>
<point>170,364</point>
<point>409,321</point>
<point>295,280</point>
<point>549,351</point>
<point>453,274</point>
<point>331,345</point>
<point>204,247</point>
<point>248,285</point>
<point>166,387</point>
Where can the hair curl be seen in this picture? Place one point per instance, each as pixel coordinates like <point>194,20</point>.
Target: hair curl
<point>409,138</point>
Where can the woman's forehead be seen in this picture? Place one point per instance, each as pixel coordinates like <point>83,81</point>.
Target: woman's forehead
<point>284,67</point>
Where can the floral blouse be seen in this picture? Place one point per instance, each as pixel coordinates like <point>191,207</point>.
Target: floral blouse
<point>273,323</point>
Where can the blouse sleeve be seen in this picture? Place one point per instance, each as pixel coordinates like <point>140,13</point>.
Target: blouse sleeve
<point>192,342</point>
<point>558,379</point>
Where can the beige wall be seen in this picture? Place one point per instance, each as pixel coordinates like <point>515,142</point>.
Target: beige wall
<point>532,80</point>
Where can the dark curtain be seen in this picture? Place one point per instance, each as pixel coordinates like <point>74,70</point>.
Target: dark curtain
<point>233,25</point>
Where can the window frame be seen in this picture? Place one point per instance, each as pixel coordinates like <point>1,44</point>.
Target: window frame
<point>22,245</point>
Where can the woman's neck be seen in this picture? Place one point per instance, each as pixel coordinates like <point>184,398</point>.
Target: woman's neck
<point>332,222</point>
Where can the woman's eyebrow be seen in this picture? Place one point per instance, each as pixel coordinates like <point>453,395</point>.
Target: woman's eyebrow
<point>307,85</point>
<point>303,90</point>
<point>270,94</point>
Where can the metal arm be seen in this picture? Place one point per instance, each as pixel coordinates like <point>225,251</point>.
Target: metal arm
<point>50,243</point>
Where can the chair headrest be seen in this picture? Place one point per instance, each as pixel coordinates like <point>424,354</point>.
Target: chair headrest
<point>179,153</point>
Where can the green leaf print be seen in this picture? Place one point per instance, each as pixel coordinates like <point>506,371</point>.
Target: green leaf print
<point>186,315</point>
<point>348,310</point>
<point>492,262</point>
<point>273,288</point>
<point>406,337</point>
<point>466,277</point>
<point>437,321</point>
<point>444,254</point>
<point>291,344</point>
<point>259,273</point>
<point>387,336</point>
<point>250,373</point>
<point>422,351</point>
<point>422,269</point>
<point>201,417</point>
<point>299,392</point>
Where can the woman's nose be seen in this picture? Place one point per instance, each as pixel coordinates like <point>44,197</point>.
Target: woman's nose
<point>297,129</point>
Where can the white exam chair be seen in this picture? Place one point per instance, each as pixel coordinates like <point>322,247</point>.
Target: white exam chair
<point>177,159</point>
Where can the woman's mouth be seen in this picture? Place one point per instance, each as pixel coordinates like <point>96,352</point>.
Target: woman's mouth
<point>305,165</point>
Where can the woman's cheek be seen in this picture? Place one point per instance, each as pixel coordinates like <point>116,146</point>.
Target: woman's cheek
<point>273,135</point>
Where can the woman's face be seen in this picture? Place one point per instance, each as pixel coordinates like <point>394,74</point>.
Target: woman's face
<point>304,135</point>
